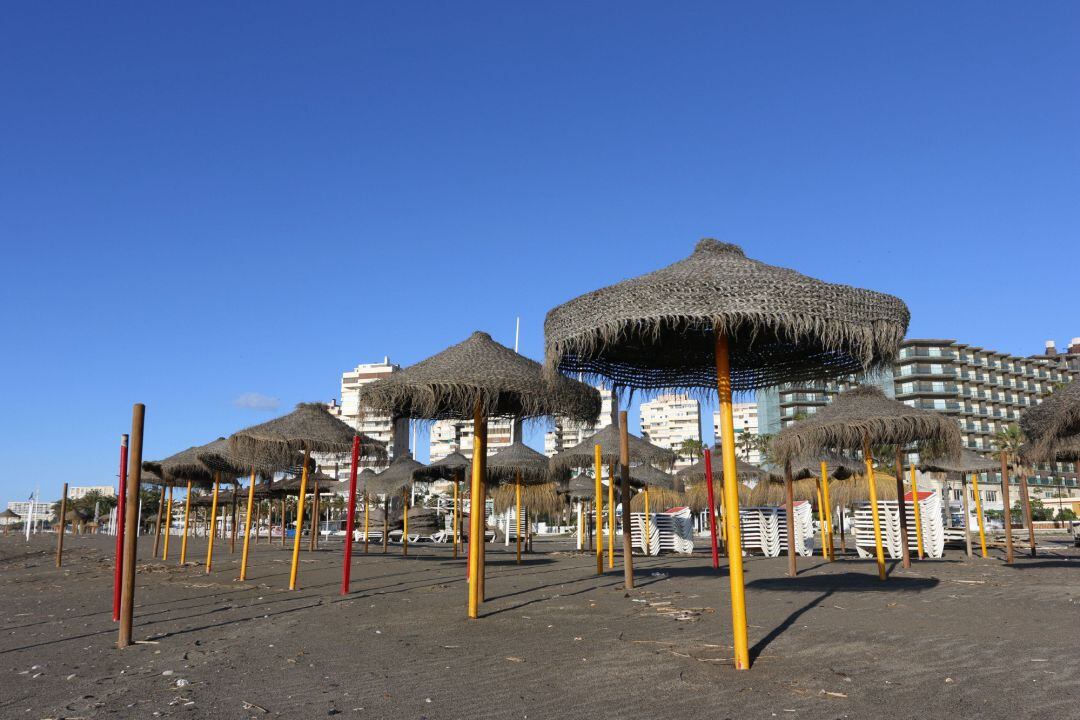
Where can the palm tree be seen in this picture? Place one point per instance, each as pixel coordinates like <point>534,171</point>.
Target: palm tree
<point>1008,441</point>
<point>747,444</point>
<point>690,448</point>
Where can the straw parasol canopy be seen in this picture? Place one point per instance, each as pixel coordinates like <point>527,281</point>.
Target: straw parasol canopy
<point>453,466</point>
<point>695,474</point>
<point>310,427</point>
<point>580,487</point>
<point>504,465</point>
<point>964,462</point>
<point>1046,425</point>
<point>183,466</point>
<point>539,499</point>
<point>219,456</point>
<point>772,492</point>
<point>8,514</point>
<point>836,466</point>
<point>291,486</point>
<point>450,384</point>
<point>697,497</point>
<point>395,478</point>
<point>581,455</point>
<point>857,489</point>
<point>646,475</point>
<point>659,330</point>
<point>865,412</point>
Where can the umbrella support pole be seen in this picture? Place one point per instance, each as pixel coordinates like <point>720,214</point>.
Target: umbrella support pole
<point>627,530</point>
<point>456,520</point>
<point>1006,507</point>
<point>821,522</point>
<point>598,468</point>
<point>405,522</point>
<point>901,506</point>
<point>157,522</point>
<point>1026,503</point>
<point>314,529</point>
<point>131,530</point>
<point>517,522</point>
<point>232,520</point>
<point>350,517</point>
<point>282,522</point>
<point>299,521</point>
<point>213,524</point>
<point>918,513</point>
<point>476,510</point>
<point>63,524</point>
<point>187,517</point>
<point>611,517</point>
<point>731,497</point>
<point>979,513</point>
<point>711,499</point>
<point>789,520</point>
<point>168,525</point>
<point>828,509</point>
<point>879,551</point>
<point>247,527</point>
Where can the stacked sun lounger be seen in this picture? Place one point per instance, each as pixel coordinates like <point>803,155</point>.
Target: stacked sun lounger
<point>764,529</point>
<point>513,529</point>
<point>669,531</point>
<point>933,530</point>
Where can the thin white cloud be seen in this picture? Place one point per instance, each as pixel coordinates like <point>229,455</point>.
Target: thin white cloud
<point>256,401</point>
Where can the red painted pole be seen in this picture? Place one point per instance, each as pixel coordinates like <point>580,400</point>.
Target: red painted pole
<point>712,509</point>
<point>120,510</point>
<point>350,516</point>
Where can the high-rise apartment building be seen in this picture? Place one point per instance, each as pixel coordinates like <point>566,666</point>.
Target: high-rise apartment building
<point>568,433</point>
<point>669,420</point>
<point>447,436</point>
<point>745,416</point>
<point>395,433</point>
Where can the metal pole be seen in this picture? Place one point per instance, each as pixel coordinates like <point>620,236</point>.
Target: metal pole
<point>187,515</point>
<point>299,521</point>
<point>979,513</point>
<point>598,469</point>
<point>127,590</point>
<point>350,517</point>
<point>868,459</point>
<point>213,524</point>
<point>828,508</point>
<point>168,525</point>
<point>475,513</point>
<point>247,526</point>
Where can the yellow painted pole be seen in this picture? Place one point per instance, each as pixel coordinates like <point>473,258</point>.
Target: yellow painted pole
<point>187,514</point>
<point>299,522</point>
<point>918,512</point>
<point>405,521</point>
<point>456,519</point>
<point>168,525</point>
<point>821,522</point>
<point>598,468</point>
<point>978,513</point>
<point>213,524</point>
<point>868,458</point>
<point>611,517</point>
<point>648,544</point>
<point>828,508</point>
<point>731,496</point>
<point>517,515</point>
<point>476,514</point>
<point>247,528</point>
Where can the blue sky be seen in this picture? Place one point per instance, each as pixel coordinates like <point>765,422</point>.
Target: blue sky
<point>203,202</point>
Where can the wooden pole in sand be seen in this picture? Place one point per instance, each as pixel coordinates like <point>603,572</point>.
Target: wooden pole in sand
<point>868,459</point>
<point>789,520</point>
<point>1026,502</point>
<point>901,506</point>
<point>598,468</point>
<point>60,532</point>
<point>213,524</point>
<point>627,530</point>
<point>168,525</point>
<point>157,522</point>
<point>187,515</point>
<point>916,507</point>
<point>131,519</point>
<point>733,538</point>
<point>476,514</point>
<point>611,517</point>
<point>978,513</point>
<point>247,526</point>
<point>828,508</point>
<point>294,568</point>
<point>1009,557</point>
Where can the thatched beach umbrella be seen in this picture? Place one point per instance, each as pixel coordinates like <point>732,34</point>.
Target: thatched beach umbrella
<point>364,478</point>
<point>9,518</point>
<point>453,468</point>
<point>1052,422</point>
<point>718,319</point>
<point>861,418</point>
<point>520,464</point>
<point>821,467</point>
<point>656,485</point>
<point>397,479</point>
<point>966,464</point>
<point>477,379</point>
<point>309,428</point>
<point>185,467</point>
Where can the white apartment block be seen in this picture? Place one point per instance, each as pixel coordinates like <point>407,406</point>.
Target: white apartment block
<point>78,492</point>
<point>448,436</point>
<point>568,433</point>
<point>41,510</point>
<point>745,417</point>
<point>374,425</point>
<point>669,420</point>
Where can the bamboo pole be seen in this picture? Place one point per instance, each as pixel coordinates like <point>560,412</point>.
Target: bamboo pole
<point>213,524</point>
<point>187,516</point>
<point>627,529</point>
<point>131,531</point>
<point>474,513</point>
<point>611,517</point>
<point>1009,556</point>
<point>978,513</point>
<point>517,521</point>
<point>918,513</point>
<point>598,468</point>
<point>247,526</point>
<point>299,521</point>
<point>901,506</point>
<point>168,525</point>
<point>828,508</point>
<point>868,459</point>
<point>789,521</point>
<point>63,524</point>
<point>1026,503</point>
<point>731,497</point>
<point>350,516</point>
<point>711,499</point>
<point>157,523</point>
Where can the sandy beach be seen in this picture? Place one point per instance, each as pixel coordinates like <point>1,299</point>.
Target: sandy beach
<point>950,638</point>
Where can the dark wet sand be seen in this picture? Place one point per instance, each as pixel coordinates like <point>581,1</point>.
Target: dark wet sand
<point>949,639</point>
